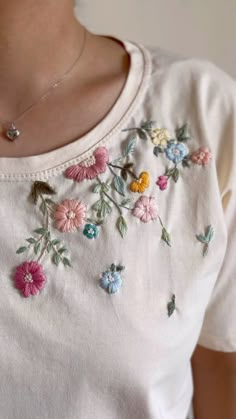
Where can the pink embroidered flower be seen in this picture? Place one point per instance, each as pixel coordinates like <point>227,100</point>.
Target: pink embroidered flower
<point>202,156</point>
<point>69,215</point>
<point>90,167</point>
<point>162,182</point>
<point>145,208</point>
<point>29,278</point>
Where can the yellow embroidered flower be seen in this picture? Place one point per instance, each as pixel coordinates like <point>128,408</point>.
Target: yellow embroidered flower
<point>160,137</point>
<point>141,184</point>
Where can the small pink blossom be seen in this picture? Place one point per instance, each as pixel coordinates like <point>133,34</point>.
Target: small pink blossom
<point>202,156</point>
<point>162,182</point>
<point>69,215</point>
<point>145,208</point>
<point>90,167</point>
<point>29,278</point>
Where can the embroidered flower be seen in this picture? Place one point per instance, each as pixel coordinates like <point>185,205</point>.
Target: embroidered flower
<point>111,279</point>
<point>160,137</point>
<point>141,184</point>
<point>176,152</point>
<point>29,278</point>
<point>202,156</point>
<point>145,209</point>
<point>69,215</point>
<point>90,231</point>
<point>90,167</point>
<point>162,182</point>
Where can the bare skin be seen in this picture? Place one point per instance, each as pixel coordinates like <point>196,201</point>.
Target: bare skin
<point>214,376</point>
<point>38,42</point>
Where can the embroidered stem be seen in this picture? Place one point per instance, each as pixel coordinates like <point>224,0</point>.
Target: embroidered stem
<point>109,197</point>
<point>165,235</point>
<point>123,168</point>
<point>48,224</point>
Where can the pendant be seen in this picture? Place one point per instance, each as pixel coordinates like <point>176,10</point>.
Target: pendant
<point>12,132</point>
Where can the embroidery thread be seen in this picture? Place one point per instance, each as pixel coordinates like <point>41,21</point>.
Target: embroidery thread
<point>206,238</point>
<point>174,149</point>
<point>111,280</point>
<point>29,277</point>
<point>171,307</point>
<point>146,210</point>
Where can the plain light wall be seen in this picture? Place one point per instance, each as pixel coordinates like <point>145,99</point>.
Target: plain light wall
<point>204,29</point>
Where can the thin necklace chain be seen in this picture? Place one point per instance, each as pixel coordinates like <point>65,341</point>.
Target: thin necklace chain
<point>51,88</point>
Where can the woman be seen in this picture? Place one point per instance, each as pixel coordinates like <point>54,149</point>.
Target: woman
<point>117,191</point>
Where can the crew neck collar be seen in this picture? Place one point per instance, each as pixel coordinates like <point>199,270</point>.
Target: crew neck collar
<point>55,161</point>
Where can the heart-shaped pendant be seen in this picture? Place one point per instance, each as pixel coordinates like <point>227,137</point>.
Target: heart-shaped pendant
<point>12,133</point>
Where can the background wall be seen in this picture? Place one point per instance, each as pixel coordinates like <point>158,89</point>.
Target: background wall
<point>202,28</point>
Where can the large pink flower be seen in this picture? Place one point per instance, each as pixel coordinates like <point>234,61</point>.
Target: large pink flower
<point>29,278</point>
<point>69,215</point>
<point>145,208</point>
<point>90,167</point>
<point>202,156</point>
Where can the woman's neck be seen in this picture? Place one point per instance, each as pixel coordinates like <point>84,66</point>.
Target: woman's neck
<point>38,42</point>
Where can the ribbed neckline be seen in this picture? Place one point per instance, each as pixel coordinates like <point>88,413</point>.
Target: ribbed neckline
<point>52,163</point>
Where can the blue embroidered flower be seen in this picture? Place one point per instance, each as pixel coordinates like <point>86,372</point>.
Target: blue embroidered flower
<point>111,279</point>
<point>176,152</point>
<point>90,231</point>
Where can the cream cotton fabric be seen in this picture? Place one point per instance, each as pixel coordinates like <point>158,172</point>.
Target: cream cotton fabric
<point>75,351</point>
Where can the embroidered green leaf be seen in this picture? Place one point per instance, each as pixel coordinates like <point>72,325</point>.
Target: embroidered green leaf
<point>40,230</point>
<point>185,161</point>
<point>165,236</point>
<point>175,174</point>
<point>205,239</point>
<point>113,267</point>
<point>124,174</point>
<point>182,133</point>
<point>55,242</point>
<point>105,187</point>
<point>50,201</point>
<point>66,262</point>
<point>62,250</point>
<point>122,226</point>
<point>120,268</point>
<point>105,209</point>
<point>43,207</point>
<point>97,205</point>
<point>171,306</point>
<point>148,125</point>
<point>49,246</point>
<point>37,247</point>
<point>127,203</point>
<point>157,150</point>
<point>40,188</point>
<point>21,249</point>
<point>119,184</point>
<point>209,233</point>
<point>97,188</point>
<point>169,172</point>
<point>143,134</point>
<point>130,147</point>
<point>31,240</point>
<point>201,238</point>
<point>56,259</point>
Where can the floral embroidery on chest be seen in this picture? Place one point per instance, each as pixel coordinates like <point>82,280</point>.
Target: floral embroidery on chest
<point>130,197</point>
<point>174,148</point>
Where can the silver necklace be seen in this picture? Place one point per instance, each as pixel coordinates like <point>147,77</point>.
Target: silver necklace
<point>11,131</point>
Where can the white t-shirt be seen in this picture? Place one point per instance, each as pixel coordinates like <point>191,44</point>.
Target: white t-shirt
<point>117,251</point>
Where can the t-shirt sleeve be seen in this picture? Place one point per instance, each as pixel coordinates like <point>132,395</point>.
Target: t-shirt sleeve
<point>218,330</point>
